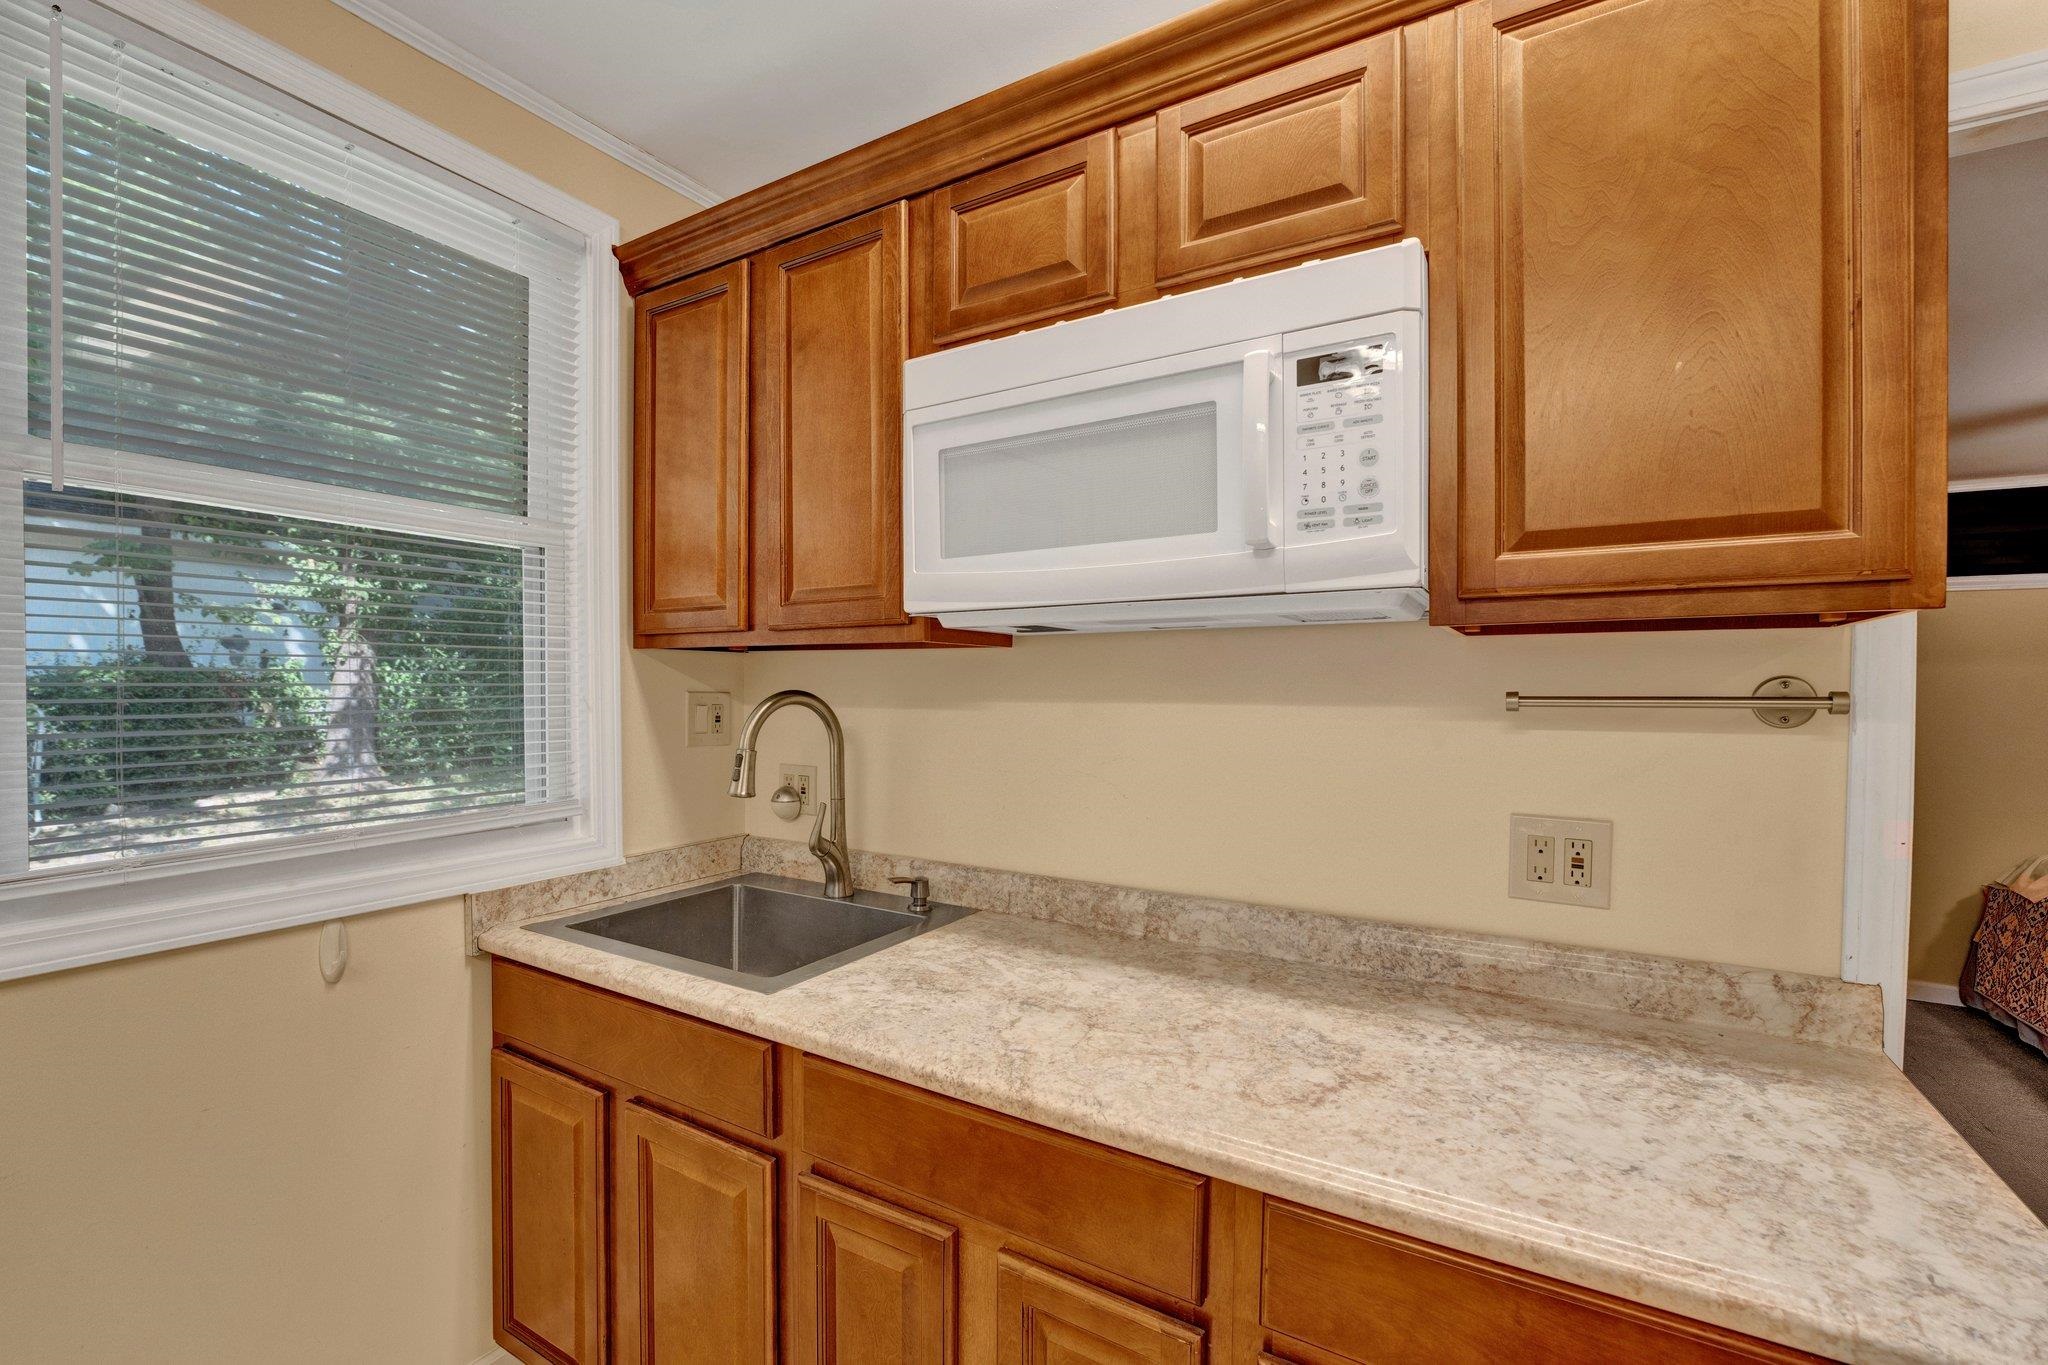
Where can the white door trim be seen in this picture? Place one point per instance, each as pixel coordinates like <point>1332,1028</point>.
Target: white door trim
<point>1877,847</point>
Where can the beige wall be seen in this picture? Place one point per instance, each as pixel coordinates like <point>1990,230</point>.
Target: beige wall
<point>1366,770</point>
<point>1982,31</point>
<point>1981,769</point>
<point>212,1155</point>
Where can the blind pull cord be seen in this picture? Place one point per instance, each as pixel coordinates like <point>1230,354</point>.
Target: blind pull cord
<point>56,249</point>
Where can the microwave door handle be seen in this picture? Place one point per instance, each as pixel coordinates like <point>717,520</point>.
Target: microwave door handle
<point>1255,447</point>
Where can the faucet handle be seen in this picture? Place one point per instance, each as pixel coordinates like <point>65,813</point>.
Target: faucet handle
<point>920,891</point>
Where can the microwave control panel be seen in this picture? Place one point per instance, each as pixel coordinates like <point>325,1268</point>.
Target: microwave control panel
<point>1341,433</point>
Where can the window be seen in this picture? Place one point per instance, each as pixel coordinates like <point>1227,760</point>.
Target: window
<point>302,482</point>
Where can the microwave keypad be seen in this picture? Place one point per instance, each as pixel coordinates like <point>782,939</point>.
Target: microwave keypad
<point>1337,427</point>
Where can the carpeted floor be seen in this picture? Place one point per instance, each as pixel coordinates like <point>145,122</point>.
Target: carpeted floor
<point>1991,1086</point>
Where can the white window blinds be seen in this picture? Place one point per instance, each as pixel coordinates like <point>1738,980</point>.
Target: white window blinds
<point>302,566</point>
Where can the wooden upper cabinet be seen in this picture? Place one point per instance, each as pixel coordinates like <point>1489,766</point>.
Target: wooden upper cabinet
<point>828,418</point>
<point>690,454</point>
<point>547,1170</point>
<point>1045,1318</point>
<point>695,1264</point>
<point>1020,244</point>
<point>1285,164</point>
<point>1687,300</point>
<point>875,1284</point>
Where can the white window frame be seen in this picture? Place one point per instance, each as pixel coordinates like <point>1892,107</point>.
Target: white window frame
<point>114,911</point>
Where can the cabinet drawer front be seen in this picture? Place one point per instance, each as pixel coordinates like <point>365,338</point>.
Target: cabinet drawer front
<point>547,1212</point>
<point>721,1074</point>
<point>1283,164</point>
<point>1045,1318</point>
<point>1377,1296</point>
<point>1686,296</point>
<point>875,1284</point>
<point>1127,1215</point>
<point>689,454</point>
<point>695,1270</point>
<point>1020,244</point>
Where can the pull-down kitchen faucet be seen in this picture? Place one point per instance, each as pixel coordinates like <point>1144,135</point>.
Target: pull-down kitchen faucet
<point>828,836</point>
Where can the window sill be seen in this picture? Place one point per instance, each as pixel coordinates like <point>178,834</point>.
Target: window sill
<point>62,928</point>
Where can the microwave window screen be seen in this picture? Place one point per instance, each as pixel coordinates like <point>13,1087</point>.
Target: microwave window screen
<point>1140,477</point>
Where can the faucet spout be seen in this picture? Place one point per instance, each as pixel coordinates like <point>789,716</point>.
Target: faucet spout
<point>828,835</point>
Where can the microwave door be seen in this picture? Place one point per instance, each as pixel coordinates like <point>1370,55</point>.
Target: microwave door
<point>1153,480</point>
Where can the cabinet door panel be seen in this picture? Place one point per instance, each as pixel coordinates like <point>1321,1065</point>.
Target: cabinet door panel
<point>689,454</point>
<point>547,1207</point>
<point>875,1284</point>
<point>696,1245</point>
<point>1020,244</point>
<point>1686,295</point>
<point>1045,1318</point>
<point>828,418</point>
<point>1282,164</point>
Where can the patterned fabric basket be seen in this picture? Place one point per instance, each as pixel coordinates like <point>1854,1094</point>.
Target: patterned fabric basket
<point>2006,973</point>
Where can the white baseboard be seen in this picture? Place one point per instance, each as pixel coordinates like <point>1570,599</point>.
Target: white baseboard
<point>496,1356</point>
<point>1933,992</point>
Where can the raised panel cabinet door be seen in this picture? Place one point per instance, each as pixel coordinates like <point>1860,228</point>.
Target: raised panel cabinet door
<point>1283,164</point>
<point>875,1284</point>
<point>1045,1318</point>
<point>1019,244</point>
<point>828,419</point>
<point>690,454</point>
<point>1686,298</point>
<point>694,1273</point>
<point>547,1212</point>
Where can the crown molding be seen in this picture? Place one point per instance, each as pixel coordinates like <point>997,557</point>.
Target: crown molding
<point>1998,104</point>
<point>461,59</point>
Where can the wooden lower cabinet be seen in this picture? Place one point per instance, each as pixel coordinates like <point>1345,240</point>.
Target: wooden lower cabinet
<point>694,1272</point>
<point>874,1284</point>
<point>547,1213</point>
<point>867,1222</point>
<point>1045,1318</point>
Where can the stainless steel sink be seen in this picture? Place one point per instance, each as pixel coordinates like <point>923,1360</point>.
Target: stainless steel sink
<point>763,933</point>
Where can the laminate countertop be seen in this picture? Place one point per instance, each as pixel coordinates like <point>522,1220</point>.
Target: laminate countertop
<point>1800,1192</point>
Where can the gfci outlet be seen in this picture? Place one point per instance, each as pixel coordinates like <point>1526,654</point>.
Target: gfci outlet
<point>802,777</point>
<point>1554,859</point>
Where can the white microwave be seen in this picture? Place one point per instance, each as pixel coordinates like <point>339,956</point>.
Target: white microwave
<point>1247,454</point>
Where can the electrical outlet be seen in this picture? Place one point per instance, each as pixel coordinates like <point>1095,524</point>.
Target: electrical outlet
<point>1578,862</point>
<point>803,778</point>
<point>710,713</point>
<point>1566,861</point>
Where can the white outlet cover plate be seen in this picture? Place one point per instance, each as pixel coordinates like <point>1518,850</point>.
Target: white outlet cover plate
<point>710,719</point>
<point>1601,832</point>
<point>808,787</point>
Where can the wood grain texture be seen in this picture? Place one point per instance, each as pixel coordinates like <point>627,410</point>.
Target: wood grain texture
<point>916,633</point>
<point>1281,165</point>
<point>547,1212</point>
<point>1045,1318</point>
<point>1369,1295</point>
<point>690,454</point>
<point>702,1067</point>
<point>1129,1216</point>
<point>1685,305</point>
<point>874,1284</point>
<point>1202,50</point>
<point>828,420</point>
<point>1018,245</point>
<point>695,1238</point>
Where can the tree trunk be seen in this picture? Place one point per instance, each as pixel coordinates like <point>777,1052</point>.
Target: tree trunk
<point>156,598</point>
<point>348,746</point>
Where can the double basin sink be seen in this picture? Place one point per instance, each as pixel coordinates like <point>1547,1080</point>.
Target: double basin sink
<point>759,932</point>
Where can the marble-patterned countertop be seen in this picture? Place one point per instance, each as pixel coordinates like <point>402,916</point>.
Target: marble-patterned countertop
<point>1799,1192</point>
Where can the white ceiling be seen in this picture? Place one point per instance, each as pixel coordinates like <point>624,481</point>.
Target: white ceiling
<point>735,93</point>
<point>1998,312</point>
